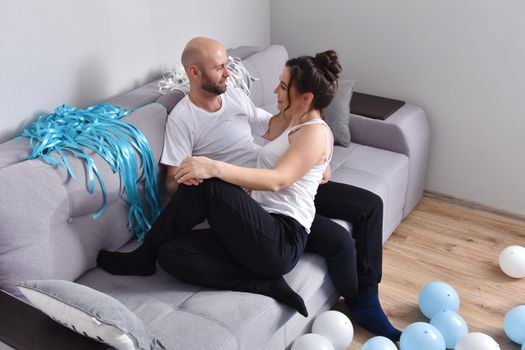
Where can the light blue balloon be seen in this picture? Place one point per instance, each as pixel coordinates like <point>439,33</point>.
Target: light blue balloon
<point>437,296</point>
<point>523,346</point>
<point>514,324</point>
<point>379,343</point>
<point>451,326</point>
<point>421,335</point>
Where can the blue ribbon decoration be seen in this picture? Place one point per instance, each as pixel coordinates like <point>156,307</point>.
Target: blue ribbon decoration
<point>99,129</point>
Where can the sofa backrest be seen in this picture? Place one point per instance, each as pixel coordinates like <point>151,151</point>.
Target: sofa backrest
<point>266,65</point>
<point>46,224</point>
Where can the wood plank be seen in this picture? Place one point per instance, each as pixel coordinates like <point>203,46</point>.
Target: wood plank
<point>443,241</point>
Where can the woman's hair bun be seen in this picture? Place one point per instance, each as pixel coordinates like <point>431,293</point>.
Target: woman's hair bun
<point>329,63</point>
<point>317,75</point>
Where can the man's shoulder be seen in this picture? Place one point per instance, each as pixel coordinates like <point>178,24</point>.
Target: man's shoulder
<point>182,109</point>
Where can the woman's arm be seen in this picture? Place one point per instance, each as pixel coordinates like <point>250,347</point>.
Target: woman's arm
<point>307,149</point>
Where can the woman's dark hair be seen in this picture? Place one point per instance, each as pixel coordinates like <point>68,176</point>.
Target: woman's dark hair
<point>317,75</point>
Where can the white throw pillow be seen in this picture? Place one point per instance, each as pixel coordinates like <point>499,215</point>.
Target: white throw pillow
<point>90,313</point>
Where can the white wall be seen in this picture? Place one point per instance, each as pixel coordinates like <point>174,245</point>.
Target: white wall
<point>82,52</point>
<point>462,61</point>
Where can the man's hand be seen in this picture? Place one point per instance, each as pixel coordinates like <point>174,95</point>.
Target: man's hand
<point>193,170</point>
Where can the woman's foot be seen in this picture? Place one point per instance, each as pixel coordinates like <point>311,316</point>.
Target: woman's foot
<point>367,312</point>
<point>276,288</point>
<point>281,291</point>
<point>140,262</point>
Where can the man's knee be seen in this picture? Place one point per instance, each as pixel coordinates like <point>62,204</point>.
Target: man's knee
<point>378,202</point>
<point>374,203</point>
<point>343,243</point>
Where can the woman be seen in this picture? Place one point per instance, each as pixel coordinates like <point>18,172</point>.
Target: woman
<point>253,240</point>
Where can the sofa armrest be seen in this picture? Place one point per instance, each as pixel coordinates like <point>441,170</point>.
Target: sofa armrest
<point>406,131</point>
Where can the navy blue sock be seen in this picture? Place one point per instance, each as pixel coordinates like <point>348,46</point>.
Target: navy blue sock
<point>367,312</point>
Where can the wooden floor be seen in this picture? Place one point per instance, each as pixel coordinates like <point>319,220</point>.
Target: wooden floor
<point>440,241</point>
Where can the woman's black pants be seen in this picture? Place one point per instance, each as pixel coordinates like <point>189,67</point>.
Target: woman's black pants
<point>245,243</point>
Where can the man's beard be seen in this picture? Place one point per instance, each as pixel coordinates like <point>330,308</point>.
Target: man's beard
<point>213,88</point>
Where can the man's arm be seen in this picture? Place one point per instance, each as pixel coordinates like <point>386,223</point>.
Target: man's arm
<point>171,182</point>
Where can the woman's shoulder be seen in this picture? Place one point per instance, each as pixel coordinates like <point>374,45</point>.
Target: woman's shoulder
<point>311,126</point>
<point>314,133</point>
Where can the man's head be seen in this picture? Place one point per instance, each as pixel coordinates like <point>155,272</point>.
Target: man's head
<point>205,63</point>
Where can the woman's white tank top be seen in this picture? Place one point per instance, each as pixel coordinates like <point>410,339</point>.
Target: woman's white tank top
<point>296,200</point>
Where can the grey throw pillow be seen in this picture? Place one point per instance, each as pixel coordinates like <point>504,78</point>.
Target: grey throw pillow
<point>90,313</point>
<point>337,114</point>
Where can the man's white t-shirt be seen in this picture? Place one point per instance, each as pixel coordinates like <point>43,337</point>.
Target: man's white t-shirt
<point>225,135</point>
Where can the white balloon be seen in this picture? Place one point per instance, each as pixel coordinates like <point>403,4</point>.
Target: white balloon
<point>512,261</point>
<point>336,327</point>
<point>312,341</point>
<point>477,341</point>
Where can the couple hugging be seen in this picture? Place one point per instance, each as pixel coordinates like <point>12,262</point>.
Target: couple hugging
<point>265,205</point>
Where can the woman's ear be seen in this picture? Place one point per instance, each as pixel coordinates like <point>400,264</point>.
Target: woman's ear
<point>308,99</point>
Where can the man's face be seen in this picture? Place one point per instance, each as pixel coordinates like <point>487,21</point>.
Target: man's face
<point>214,73</point>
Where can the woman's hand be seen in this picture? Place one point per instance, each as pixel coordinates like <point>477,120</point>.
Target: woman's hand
<point>193,170</point>
<point>326,175</point>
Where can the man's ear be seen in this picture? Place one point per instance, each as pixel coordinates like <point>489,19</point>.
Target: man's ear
<point>193,72</point>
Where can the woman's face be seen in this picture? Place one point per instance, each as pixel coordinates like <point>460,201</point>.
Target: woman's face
<point>282,94</point>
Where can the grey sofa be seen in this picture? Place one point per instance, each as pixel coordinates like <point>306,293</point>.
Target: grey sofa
<point>47,230</point>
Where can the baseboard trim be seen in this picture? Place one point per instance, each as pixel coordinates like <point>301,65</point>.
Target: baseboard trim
<point>472,205</point>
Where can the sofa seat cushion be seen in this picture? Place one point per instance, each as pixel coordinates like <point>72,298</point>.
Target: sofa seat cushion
<point>184,316</point>
<point>383,172</point>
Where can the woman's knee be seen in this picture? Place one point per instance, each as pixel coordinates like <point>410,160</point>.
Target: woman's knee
<point>171,260</point>
<point>215,182</point>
